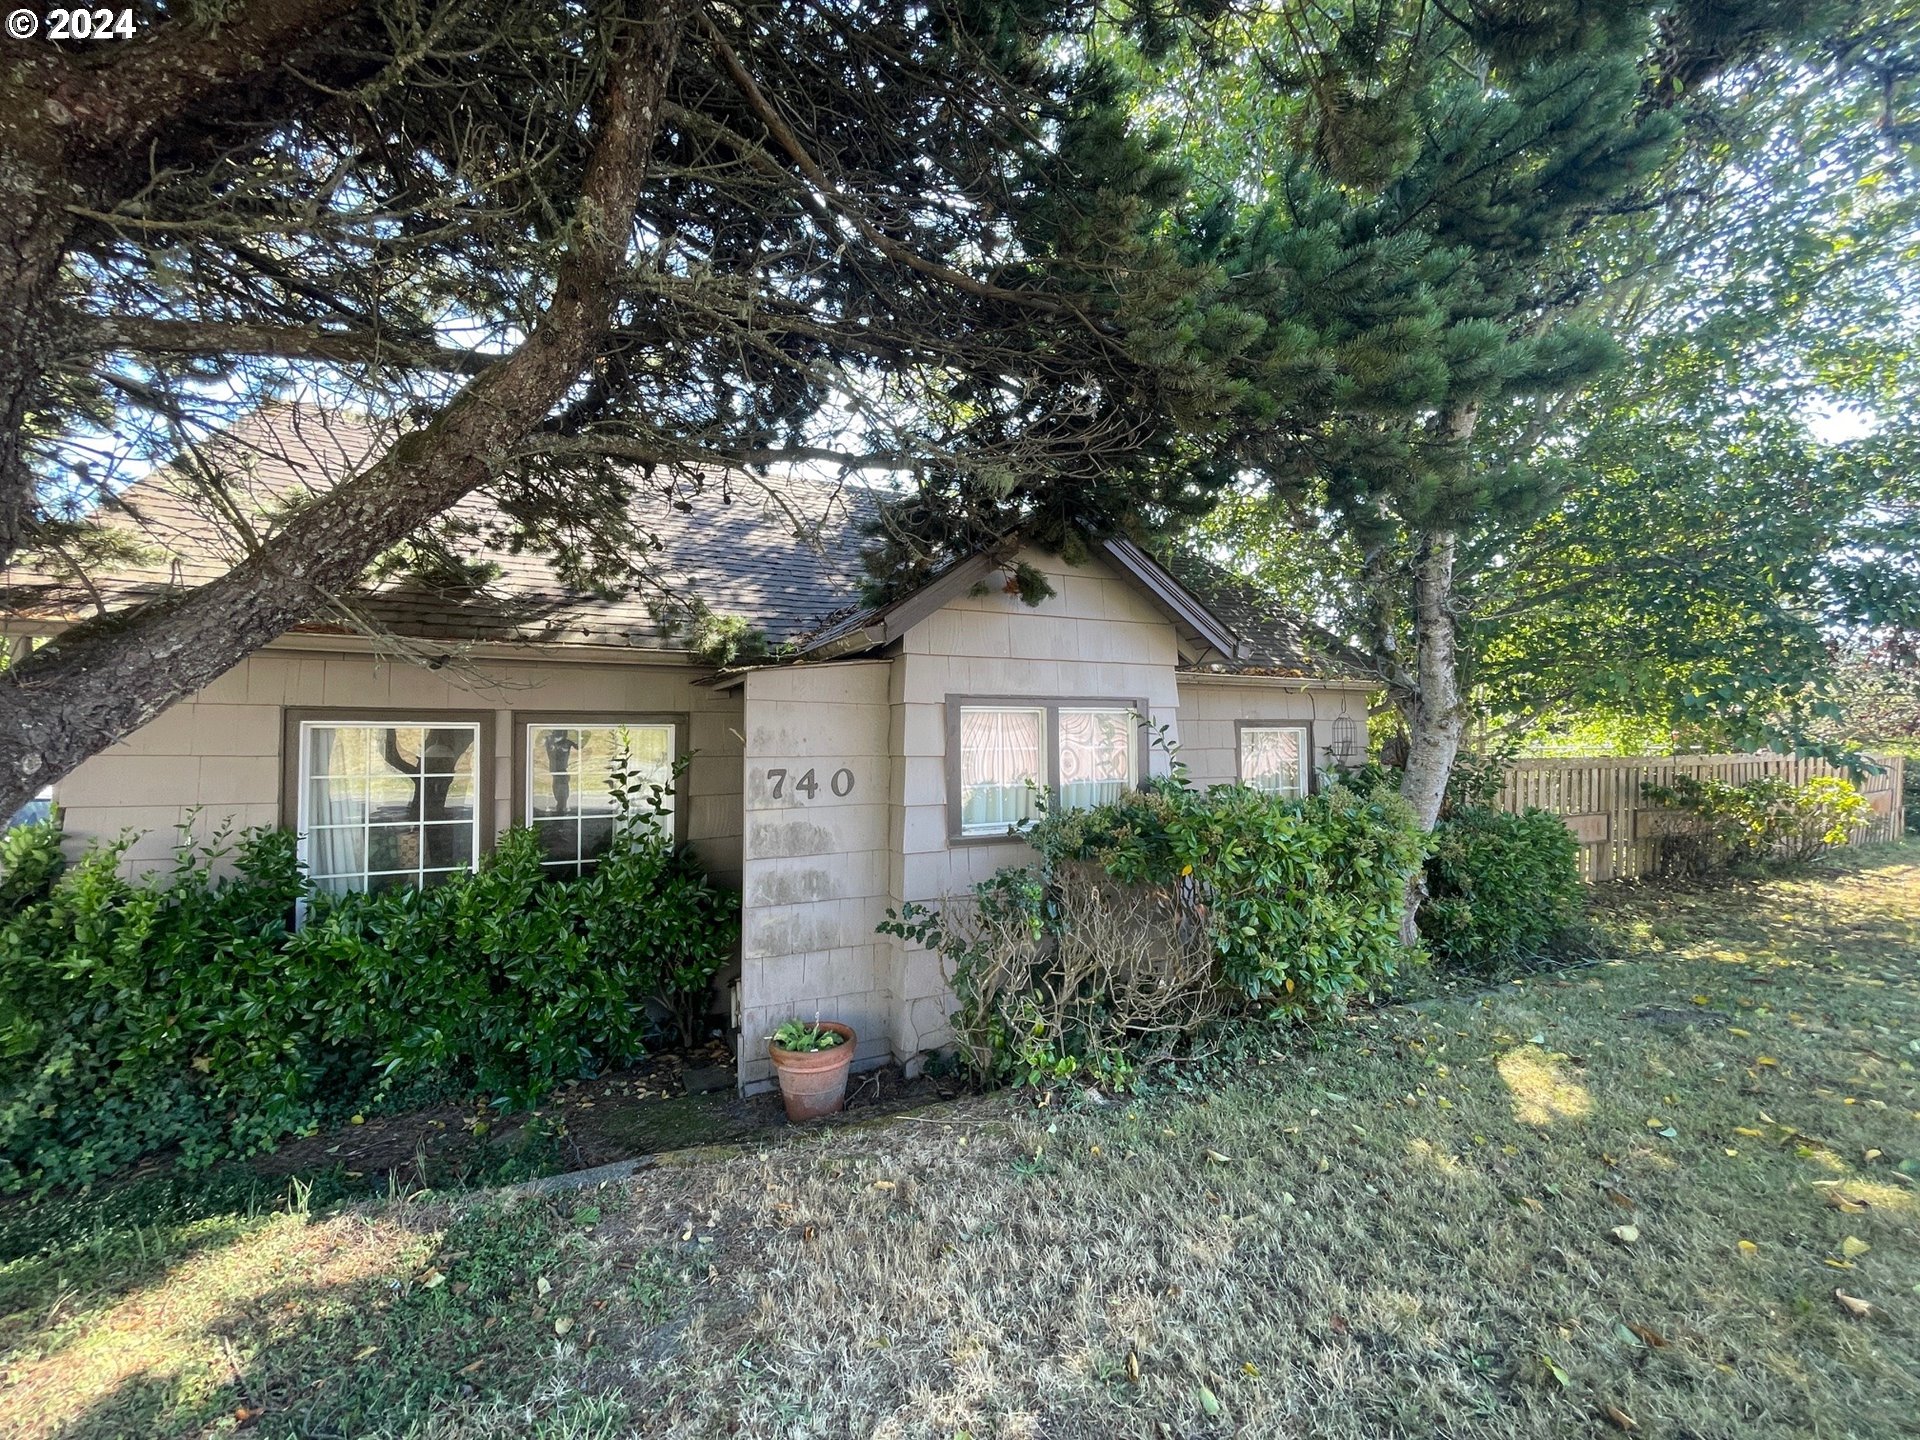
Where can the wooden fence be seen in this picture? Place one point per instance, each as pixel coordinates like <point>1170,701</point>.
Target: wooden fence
<point>1619,830</point>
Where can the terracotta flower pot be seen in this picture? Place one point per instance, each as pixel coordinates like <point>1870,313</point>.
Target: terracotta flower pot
<point>814,1082</point>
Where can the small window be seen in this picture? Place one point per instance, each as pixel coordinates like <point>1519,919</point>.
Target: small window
<point>1274,758</point>
<point>573,781</point>
<point>1096,756</point>
<point>1002,759</point>
<point>387,804</point>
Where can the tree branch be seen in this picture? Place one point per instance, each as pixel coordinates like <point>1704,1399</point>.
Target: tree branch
<point>145,335</point>
<point>790,143</point>
<point>96,683</point>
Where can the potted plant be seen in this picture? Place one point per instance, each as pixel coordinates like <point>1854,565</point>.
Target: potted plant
<point>811,1061</point>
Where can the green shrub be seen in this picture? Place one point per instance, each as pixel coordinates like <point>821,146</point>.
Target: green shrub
<point>1500,887</point>
<point>1150,916</point>
<point>182,1009</point>
<point>1731,827</point>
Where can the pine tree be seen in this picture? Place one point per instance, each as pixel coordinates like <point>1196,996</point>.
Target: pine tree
<point>550,250</point>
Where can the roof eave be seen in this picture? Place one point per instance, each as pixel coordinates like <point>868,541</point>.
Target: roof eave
<point>1175,598</point>
<point>894,619</point>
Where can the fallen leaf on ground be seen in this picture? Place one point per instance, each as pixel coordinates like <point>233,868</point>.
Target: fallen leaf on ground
<point>1625,1234</point>
<point>1621,1420</point>
<point>1853,1245</point>
<point>1217,1158</point>
<point>1647,1333</point>
<point>1209,1401</point>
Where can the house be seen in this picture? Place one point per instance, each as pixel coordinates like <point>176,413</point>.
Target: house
<point>878,755</point>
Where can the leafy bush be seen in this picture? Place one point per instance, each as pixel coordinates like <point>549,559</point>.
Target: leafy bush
<point>1149,916</point>
<point>1735,826</point>
<point>1500,886</point>
<point>182,1009</point>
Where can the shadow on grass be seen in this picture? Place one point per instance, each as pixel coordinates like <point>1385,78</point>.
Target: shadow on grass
<point>354,1324</point>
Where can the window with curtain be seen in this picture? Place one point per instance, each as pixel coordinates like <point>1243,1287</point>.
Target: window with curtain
<point>1002,758</point>
<point>387,804</point>
<point>573,776</point>
<point>1096,755</point>
<point>1274,758</point>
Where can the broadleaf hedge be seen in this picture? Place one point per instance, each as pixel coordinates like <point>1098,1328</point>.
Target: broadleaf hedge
<point>183,1009</point>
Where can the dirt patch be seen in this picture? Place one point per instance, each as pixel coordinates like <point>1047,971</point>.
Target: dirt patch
<point>622,1115</point>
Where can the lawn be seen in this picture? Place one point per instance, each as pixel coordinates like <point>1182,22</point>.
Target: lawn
<point>1675,1193</point>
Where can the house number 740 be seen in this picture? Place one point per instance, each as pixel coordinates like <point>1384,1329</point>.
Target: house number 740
<point>841,784</point>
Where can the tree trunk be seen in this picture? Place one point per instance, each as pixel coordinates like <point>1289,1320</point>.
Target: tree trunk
<point>96,684</point>
<point>31,246</point>
<point>1437,719</point>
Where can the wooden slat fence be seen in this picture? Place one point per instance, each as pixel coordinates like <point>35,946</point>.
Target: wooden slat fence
<point>1619,830</point>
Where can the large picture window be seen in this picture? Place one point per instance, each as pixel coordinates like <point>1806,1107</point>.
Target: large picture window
<point>1004,754</point>
<point>387,803</point>
<point>1274,758</point>
<point>571,780</point>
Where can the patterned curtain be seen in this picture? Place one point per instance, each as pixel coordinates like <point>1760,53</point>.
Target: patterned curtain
<point>1096,756</point>
<point>1270,760</point>
<point>1000,752</point>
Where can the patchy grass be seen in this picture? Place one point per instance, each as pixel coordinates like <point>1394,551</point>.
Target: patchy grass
<point>1635,1186</point>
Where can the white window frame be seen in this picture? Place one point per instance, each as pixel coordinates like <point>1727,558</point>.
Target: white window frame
<point>303,795</point>
<point>1305,731</point>
<point>524,733</point>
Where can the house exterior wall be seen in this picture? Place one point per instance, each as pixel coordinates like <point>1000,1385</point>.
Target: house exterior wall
<point>219,750</point>
<point>819,774</point>
<point>1097,637</point>
<point>1211,708</point>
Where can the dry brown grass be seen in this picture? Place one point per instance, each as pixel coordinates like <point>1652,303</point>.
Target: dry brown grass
<point>1411,1231</point>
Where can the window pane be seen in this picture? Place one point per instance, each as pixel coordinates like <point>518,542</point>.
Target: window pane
<point>572,782</point>
<point>1096,756</point>
<point>1002,756</point>
<point>596,837</point>
<point>1272,758</point>
<point>559,839</point>
<point>444,847</point>
<point>337,850</point>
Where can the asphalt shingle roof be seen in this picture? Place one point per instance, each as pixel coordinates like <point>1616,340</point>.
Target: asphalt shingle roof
<point>783,554</point>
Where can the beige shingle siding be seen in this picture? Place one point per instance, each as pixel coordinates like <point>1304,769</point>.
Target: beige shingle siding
<point>219,752</point>
<point>816,871</point>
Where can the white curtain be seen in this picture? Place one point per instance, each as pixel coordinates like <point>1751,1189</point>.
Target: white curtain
<point>1000,752</point>
<point>335,819</point>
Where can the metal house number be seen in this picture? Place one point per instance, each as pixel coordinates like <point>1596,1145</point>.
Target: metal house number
<point>808,785</point>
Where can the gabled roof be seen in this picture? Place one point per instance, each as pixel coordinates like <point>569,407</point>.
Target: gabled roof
<point>1202,633</point>
<point>782,554</point>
